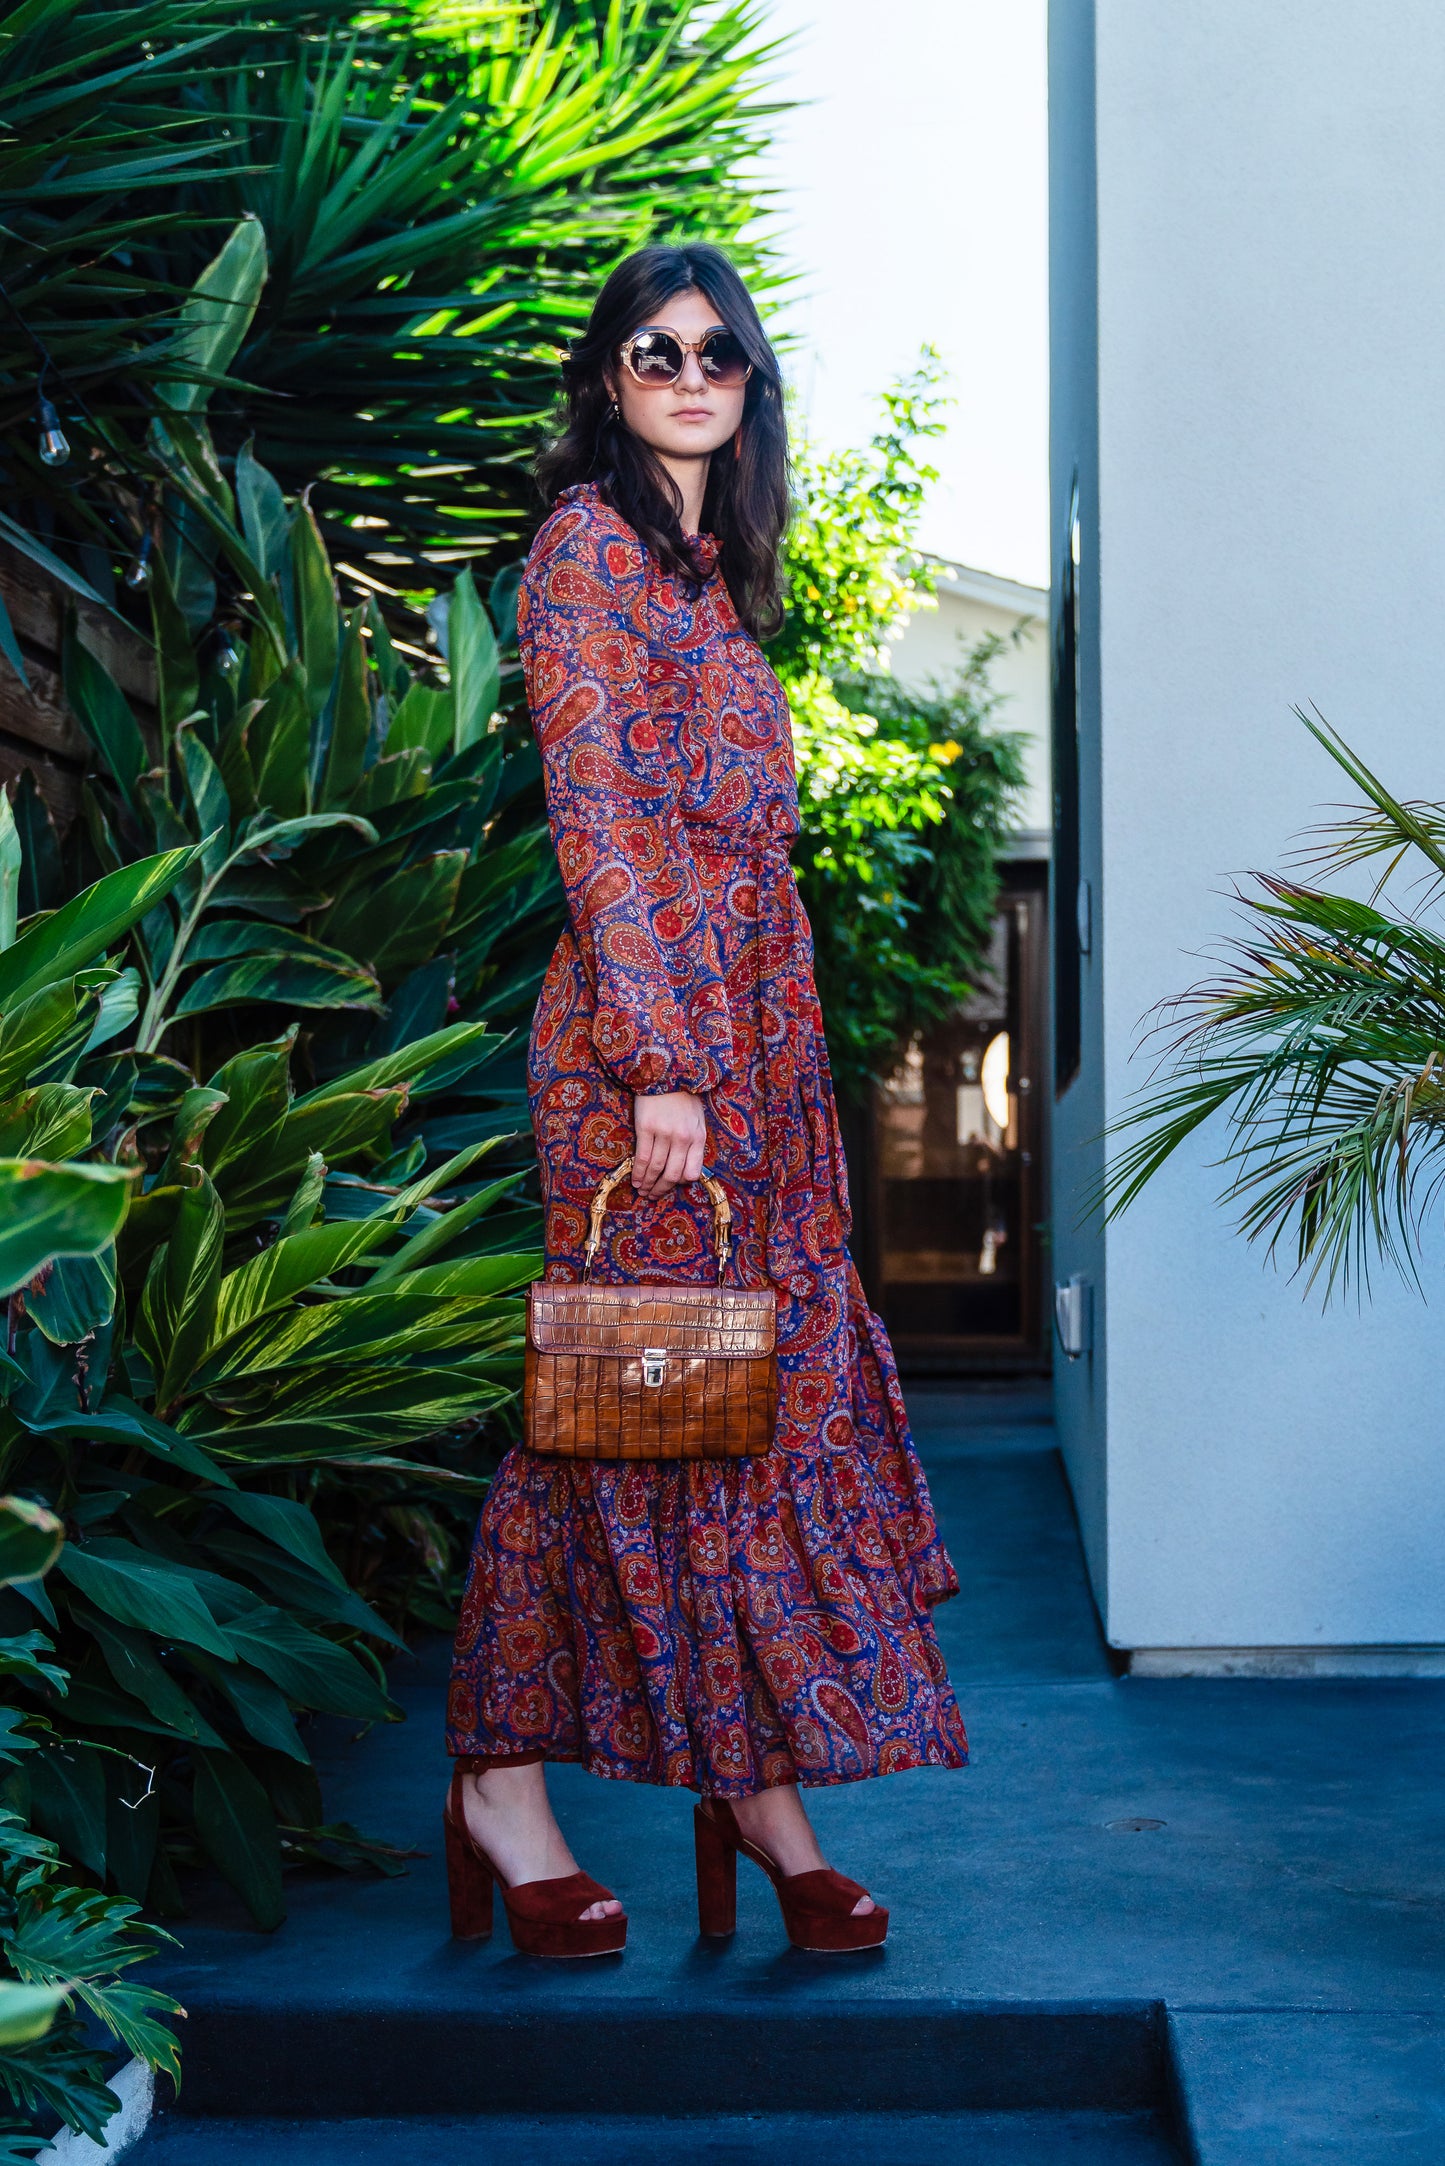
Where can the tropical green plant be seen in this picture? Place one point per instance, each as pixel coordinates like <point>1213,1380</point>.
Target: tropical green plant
<point>59,1943</point>
<point>279,1298</point>
<point>904,796</point>
<point>442,188</point>
<point>375,853</point>
<point>373,861</point>
<point>1319,1042</point>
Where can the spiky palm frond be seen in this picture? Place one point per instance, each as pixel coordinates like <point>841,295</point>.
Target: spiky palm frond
<point>442,191</point>
<point>1321,1040</point>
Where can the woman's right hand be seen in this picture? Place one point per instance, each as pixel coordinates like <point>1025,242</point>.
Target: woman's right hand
<point>670,1141</point>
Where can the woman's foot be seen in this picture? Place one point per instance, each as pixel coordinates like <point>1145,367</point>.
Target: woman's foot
<point>776,1821</point>
<point>510,1814</point>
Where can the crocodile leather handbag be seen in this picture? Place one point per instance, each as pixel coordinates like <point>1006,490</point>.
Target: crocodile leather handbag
<point>651,1371</point>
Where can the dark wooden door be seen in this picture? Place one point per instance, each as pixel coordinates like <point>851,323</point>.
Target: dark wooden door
<point>957,1165</point>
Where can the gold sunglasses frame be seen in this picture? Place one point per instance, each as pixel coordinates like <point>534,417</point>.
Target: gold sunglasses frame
<point>688,345</point>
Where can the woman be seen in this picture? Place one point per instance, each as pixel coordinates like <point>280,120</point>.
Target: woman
<point>739,1628</point>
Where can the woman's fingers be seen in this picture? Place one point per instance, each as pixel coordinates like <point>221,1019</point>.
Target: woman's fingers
<point>670,1131</point>
<point>676,1168</point>
<point>649,1155</point>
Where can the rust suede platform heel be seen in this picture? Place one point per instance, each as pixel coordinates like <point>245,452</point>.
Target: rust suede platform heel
<point>542,1914</point>
<point>817,1907</point>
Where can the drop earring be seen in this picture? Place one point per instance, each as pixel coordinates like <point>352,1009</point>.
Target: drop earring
<point>614,411</point>
<point>737,444</point>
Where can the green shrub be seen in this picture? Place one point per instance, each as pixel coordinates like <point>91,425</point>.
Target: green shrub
<point>904,796</point>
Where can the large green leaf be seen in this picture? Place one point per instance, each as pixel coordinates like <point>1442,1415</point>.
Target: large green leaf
<point>146,1591</point>
<point>317,626</point>
<point>119,1006</point>
<point>137,1668</point>
<point>429,1241</point>
<point>121,1422</point>
<point>312,1671</point>
<point>256,1086</point>
<point>425,1063</point>
<point>178,677</point>
<point>67,1800</point>
<point>399,924</point>
<point>221,938</point>
<point>31,1538</point>
<point>423,720</point>
<point>264,517</point>
<point>296,1586</point>
<point>288,1267</point>
<point>79,931</point>
<point>262,1708</point>
<point>394,1323</point>
<point>473,663</point>
<point>210,801</point>
<point>401,778</point>
<point>306,1420</point>
<point>52,1121</point>
<point>238,1831</point>
<point>338,1126</point>
<point>350,718</point>
<point>26,2012</point>
<point>278,743</point>
<point>200,1105</point>
<point>287,981</point>
<point>48,1211</point>
<point>11,860</point>
<point>32,1030</point>
<point>178,1305</point>
<point>104,713</point>
<point>74,1296</point>
<point>216,314</point>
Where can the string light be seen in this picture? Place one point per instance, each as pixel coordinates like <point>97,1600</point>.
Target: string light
<point>139,573</point>
<point>54,443</point>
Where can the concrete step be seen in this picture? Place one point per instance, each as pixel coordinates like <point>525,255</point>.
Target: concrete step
<point>903,2139</point>
<point>1311,2088</point>
<point>563,2043</point>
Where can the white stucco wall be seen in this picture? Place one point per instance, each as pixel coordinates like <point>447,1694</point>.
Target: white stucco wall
<point>934,643</point>
<point>1269,430</point>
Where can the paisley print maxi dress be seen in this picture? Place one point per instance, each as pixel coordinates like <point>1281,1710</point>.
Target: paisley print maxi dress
<point>718,1625</point>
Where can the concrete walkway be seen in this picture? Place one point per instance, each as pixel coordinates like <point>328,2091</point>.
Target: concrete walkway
<point>1154,1919</point>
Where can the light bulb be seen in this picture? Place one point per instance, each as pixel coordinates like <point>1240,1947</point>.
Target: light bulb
<point>994,1077</point>
<point>54,444</point>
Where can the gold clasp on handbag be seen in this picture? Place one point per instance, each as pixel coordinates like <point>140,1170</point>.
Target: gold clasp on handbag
<point>654,1364</point>
<point>722,1227</point>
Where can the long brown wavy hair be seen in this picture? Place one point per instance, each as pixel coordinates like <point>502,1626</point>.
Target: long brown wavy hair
<point>747,499</point>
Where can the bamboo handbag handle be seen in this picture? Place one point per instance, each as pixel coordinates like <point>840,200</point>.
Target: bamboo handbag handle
<point>722,1216</point>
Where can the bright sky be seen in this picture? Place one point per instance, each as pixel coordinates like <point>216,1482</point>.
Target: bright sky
<point>913,201</point>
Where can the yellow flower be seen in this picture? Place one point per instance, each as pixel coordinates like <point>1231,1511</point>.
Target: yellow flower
<point>944,753</point>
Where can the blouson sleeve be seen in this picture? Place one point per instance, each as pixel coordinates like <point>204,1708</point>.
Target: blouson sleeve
<point>638,914</point>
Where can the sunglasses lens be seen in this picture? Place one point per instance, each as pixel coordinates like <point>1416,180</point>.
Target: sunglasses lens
<point>723,360</point>
<point>656,357</point>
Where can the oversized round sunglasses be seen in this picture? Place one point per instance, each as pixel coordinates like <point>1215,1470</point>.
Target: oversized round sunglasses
<point>659,357</point>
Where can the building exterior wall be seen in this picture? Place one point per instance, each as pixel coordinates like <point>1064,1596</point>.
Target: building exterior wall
<point>935,642</point>
<point>1249,324</point>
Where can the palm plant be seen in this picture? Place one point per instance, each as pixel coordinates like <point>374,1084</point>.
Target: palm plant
<point>442,190</point>
<point>1319,1040</point>
<point>96,137</point>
